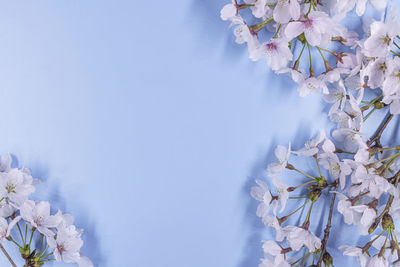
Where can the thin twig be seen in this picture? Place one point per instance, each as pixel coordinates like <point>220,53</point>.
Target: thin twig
<point>377,136</point>
<point>388,205</point>
<point>8,256</point>
<point>327,229</point>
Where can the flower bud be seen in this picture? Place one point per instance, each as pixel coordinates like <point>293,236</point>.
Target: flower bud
<point>290,166</point>
<point>25,252</point>
<point>379,105</point>
<point>387,221</point>
<point>373,227</point>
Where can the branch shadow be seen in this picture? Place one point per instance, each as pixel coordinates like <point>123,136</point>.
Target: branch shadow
<point>252,250</point>
<point>51,192</point>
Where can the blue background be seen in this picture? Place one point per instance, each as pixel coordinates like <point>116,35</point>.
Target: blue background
<point>148,123</point>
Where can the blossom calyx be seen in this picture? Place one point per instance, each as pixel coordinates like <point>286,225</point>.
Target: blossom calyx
<point>387,222</point>
<point>327,259</point>
<point>321,182</point>
<point>302,38</point>
<point>26,252</point>
<point>379,105</point>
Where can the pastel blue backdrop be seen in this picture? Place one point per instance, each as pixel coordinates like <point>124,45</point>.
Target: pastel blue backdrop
<point>146,122</point>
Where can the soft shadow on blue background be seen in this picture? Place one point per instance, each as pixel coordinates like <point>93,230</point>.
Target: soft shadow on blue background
<point>147,123</point>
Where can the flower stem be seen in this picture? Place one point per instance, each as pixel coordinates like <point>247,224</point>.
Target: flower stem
<point>319,169</point>
<point>308,254</point>
<point>281,220</point>
<point>20,232</point>
<point>291,167</point>
<point>32,231</point>
<point>277,31</point>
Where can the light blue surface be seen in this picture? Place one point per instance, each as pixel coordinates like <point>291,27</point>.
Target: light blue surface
<point>146,122</point>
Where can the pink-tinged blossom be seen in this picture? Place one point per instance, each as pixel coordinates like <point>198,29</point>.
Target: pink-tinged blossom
<point>316,26</point>
<point>66,244</point>
<point>38,215</point>
<point>277,52</point>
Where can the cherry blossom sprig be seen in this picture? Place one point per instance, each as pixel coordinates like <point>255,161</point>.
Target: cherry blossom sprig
<point>315,27</point>
<point>24,221</point>
<point>361,173</point>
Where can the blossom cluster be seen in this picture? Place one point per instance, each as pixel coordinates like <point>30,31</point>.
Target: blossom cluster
<point>60,240</point>
<point>360,74</point>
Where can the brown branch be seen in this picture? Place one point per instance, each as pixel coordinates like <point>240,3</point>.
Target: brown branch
<point>377,136</point>
<point>387,207</point>
<point>8,256</point>
<point>327,229</point>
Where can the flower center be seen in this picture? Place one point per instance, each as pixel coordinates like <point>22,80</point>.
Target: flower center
<point>60,249</point>
<point>272,46</point>
<point>386,39</point>
<point>308,23</point>
<point>38,220</point>
<point>10,188</point>
<point>397,75</point>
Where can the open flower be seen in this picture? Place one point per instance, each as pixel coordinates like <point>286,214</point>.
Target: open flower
<point>66,244</point>
<point>282,154</point>
<point>277,52</point>
<point>262,194</point>
<point>298,237</point>
<point>15,186</point>
<point>316,26</point>
<point>38,215</point>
